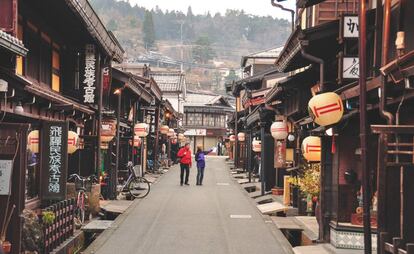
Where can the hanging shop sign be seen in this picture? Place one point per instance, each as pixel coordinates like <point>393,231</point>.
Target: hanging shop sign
<point>164,129</point>
<point>6,167</point>
<point>326,108</point>
<point>232,138</point>
<point>350,67</point>
<point>33,141</point>
<point>106,82</point>
<point>311,149</point>
<point>279,130</point>
<point>73,142</point>
<point>141,129</point>
<point>241,136</point>
<point>54,156</point>
<point>195,132</point>
<point>257,146</point>
<point>89,76</point>
<point>350,26</point>
<point>280,154</point>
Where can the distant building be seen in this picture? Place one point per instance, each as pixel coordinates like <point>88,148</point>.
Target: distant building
<point>205,118</point>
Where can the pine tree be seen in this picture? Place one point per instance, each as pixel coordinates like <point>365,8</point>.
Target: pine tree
<point>203,52</point>
<point>148,30</point>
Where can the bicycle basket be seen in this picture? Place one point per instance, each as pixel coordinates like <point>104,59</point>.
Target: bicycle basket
<point>79,185</point>
<point>137,170</point>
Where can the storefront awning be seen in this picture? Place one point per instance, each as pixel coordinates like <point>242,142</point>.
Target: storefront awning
<point>319,41</point>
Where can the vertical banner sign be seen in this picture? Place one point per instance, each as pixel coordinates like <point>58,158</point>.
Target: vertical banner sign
<point>55,157</point>
<point>280,154</point>
<point>106,83</point>
<point>350,26</point>
<point>89,80</point>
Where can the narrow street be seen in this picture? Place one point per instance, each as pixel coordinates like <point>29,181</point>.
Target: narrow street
<point>192,219</point>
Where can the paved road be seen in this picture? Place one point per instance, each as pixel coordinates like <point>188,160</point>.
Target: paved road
<point>192,219</point>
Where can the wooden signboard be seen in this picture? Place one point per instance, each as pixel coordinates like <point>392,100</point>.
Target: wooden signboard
<point>54,160</point>
<point>280,154</point>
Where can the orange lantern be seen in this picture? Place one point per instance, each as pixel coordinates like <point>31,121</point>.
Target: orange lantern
<point>311,149</point>
<point>164,129</point>
<point>141,129</point>
<point>257,146</point>
<point>326,108</point>
<point>241,136</point>
<point>171,133</point>
<point>33,141</point>
<point>232,138</point>
<point>137,141</point>
<point>73,141</point>
<point>279,130</point>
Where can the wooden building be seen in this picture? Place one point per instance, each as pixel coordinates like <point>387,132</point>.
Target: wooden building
<point>53,95</point>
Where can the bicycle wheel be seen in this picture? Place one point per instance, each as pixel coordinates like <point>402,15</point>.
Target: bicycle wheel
<point>139,187</point>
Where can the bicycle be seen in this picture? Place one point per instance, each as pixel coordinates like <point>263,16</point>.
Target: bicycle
<point>136,185</point>
<point>82,185</point>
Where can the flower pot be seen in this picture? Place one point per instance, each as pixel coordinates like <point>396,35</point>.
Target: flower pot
<point>6,246</point>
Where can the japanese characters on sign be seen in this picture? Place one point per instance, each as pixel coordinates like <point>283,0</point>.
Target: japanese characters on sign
<point>351,27</point>
<point>55,136</point>
<point>280,154</point>
<point>5,176</point>
<point>90,74</point>
<point>350,67</point>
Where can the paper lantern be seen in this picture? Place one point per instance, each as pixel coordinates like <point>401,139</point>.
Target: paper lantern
<point>137,142</point>
<point>33,141</point>
<point>241,136</point>
<point>141,129</point>
<point>171,132</point>
<point>108,130</point>
<point>311,149</point>
<point>181,136</point>
<point>164,129</point>
<point>279,130</point>
<point>73,141</point>
<point>232,138</point>
<point>257,146</point>
<point>326,108</point>
<point>174,141</point>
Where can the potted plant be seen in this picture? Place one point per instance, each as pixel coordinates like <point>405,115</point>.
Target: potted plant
<point>6,245</point>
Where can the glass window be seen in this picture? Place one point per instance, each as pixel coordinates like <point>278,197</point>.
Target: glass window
<point>209,120</point>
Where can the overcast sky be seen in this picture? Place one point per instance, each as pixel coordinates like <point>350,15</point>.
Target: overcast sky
<point>257,7</point>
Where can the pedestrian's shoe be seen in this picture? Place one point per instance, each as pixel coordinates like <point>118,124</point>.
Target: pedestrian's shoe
<point>187,184</point>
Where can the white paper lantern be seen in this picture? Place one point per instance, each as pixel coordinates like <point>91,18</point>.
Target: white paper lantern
<point>171,133</point>
<point>164,129</point>
<point>257,146</point>
<point>232,138</point>
<point>73,141</point>
<point>326,108</point>
<point>311,149</point>
<point>241,136</point>
<point>108,130</point>
<point>141,129</point>
<point>181,137</point>
<point>33,141</point>
<point>137,141</point>
<point>279,130</point>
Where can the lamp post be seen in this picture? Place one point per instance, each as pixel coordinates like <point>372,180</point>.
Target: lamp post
<point>114,175</point>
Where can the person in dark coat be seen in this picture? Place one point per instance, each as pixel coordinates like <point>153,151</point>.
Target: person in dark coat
<point>201,164</point>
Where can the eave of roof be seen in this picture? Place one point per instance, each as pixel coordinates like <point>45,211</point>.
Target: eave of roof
<point>132,84</point>
<point>12,44</point>
<point>252,80</point>
<point>96,28</point>
<point>307,3</point>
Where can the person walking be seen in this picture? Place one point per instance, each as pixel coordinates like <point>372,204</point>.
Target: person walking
<point>185,163</point>
<point>201,164</point>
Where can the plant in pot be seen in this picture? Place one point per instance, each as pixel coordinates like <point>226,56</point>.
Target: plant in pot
<point>6,245</point>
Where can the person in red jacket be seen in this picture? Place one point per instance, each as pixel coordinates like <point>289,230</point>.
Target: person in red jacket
<point>185,163</point>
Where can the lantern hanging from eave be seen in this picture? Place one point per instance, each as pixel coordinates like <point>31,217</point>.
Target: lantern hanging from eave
<point>257,146</point>
<point>174,141</point>
<point>108,130</point>
<point>141,129</point>
<point>164,129</point>
<point>232,138</point>
<point>171,133</point>
<point>326,108</point>
<point>241,136</point>
<point>311,149</point>
<point>180,137</point>
<point>73,142</point>
<point>33,141</point>
<point>279,130</point>
<point>137,141</point>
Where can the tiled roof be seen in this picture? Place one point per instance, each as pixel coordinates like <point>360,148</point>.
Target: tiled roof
<point>12,43</point>
<point>169,81</point>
